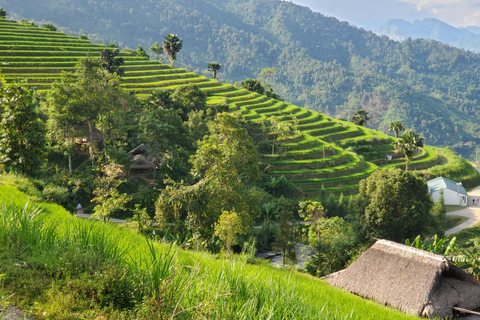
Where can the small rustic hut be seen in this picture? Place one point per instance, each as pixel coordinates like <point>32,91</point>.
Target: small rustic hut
<point>141,162</point>
<point>409,279</point>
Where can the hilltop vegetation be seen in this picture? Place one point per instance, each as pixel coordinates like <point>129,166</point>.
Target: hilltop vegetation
<point>203,167</point>
<point>315,152</point>
<point>323,64</point>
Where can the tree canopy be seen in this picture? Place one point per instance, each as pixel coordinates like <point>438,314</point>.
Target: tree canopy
<point>396,127</point>
<point>253,85</point>
<point>394,204</point>
<point>361,117</point>
<point>22,134</point>
<point>110,63</point>
<point>224,165</point>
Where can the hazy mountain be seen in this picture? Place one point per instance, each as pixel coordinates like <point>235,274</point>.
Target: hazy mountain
<point>472,29</point>
<point>399,29</point>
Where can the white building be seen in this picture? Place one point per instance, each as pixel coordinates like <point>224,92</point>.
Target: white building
<point>453,192</point>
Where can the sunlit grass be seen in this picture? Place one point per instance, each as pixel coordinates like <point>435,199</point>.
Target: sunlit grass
<point>196,283</point>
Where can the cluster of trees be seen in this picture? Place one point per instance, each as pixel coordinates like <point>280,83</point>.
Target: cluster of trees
<point>213,185</point>
<point>46,135</point>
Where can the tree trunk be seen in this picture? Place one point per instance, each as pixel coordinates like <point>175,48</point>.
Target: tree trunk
<point>103,139</point>
<point>69,163</point>
<point>214,74</point>
<point>112,135</point>
<point>90,144</point>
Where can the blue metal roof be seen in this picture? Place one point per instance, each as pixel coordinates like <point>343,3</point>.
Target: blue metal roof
<point>441,183</point>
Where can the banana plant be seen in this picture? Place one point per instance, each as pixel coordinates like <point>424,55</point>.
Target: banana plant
<point>438,246</point>
<point>469,260</point>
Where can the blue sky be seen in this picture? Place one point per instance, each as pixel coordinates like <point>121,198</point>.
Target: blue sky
<point>371,14</point>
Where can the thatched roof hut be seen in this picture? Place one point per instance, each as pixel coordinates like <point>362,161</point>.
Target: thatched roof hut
<point>409,279</point>
<point>84,138</point>
<point>141,161</point>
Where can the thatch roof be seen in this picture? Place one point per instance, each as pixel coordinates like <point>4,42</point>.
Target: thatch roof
<point>97,134</point>
<point>141,162</point>
<point>409,279</point>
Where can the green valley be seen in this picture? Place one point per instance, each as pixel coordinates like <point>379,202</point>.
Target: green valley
<point>322,63</point>
<point>324,154</point>
<point>201,175</point>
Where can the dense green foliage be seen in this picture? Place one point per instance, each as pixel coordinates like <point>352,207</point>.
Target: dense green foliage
<point>302,144</point>
<point>22,134</point>
<point>224,165</point>
<point>394,204</point>
<point>321,63</point>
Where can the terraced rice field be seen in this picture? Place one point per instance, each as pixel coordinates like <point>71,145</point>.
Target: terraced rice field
<point>318,157</point>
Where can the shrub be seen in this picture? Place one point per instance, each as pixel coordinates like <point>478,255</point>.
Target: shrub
<point>56,194</point>
<point>50,26</point>
<point>119,157</point>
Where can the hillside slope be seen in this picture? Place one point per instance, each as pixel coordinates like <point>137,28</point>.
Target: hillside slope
<point>83,269</point>
<point>321,153</point>
<point>323,64</point>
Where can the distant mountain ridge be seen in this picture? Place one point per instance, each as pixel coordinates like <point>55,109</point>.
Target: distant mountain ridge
<point>467,38</point>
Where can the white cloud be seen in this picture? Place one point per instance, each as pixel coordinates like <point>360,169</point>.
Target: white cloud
<point>454,12</point>
<point>472,19</point>
<point>432,4</point>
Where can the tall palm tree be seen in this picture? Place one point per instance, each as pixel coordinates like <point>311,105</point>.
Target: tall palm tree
<point>396,127</point>
<point>171,46</point>
<point>214,66</point>
<point>407,144</point>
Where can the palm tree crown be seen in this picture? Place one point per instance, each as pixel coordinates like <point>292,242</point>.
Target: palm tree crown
<point>407,144</point>
<point>214,66</point>
<point>396,127</point>
<point>361,117</point>
<point>171,46</point>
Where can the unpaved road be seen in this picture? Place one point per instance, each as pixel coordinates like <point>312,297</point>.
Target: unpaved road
<point>471,212</point>
<point>88,216</point>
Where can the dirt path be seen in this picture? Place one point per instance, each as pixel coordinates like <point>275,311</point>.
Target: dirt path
<point>472,212</point>
<point>89,216</point>
<point>149,182</point>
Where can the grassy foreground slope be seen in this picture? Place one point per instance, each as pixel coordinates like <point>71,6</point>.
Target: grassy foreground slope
<point>324,153</point>
<point>60,267</point>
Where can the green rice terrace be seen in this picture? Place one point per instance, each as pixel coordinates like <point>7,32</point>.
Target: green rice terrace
<point>324,153</point>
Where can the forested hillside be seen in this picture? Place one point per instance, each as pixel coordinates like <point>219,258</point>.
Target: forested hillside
<point>321,63</point>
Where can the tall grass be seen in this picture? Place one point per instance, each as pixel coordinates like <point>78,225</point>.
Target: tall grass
<point>153,280</point>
